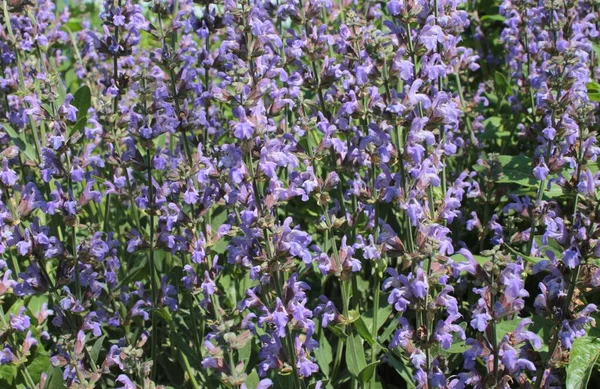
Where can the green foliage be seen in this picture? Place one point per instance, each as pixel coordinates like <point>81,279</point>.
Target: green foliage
<point>584,355</point>
<point>355,354</point>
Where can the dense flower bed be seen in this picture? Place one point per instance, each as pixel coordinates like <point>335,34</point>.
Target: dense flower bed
<point>299,194</point>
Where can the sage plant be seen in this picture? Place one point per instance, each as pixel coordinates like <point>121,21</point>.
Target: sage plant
<point>299,193</point>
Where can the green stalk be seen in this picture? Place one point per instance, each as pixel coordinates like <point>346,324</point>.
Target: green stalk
<point>375,327</point>
<point>25,372</point>
<point>106,226</point>
<point>74,237</point>
<point>288,343</point>
<point>345,291</point>
<point>206,72</point>
<point>184,359</point>
<point>22,83</point>
<point>531,97</point>
<point>493,327</point>
<point>27,376</point>
<point>424,317</point>
<point>554,342</point>
<point>76,260</point>
<point>463,103</point>
<point>539,195</point>
<point>542,186</point>
<point>374,332</point>
<point>154,331</point>
<point>151,263</point>
<point>573,281</point>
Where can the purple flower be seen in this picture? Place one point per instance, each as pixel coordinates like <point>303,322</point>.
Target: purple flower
<point>406,290</point>
<point>7,175</point>
<point>20,322</point>
<point>541,170</point>
<point>279,318</point>
<point>571,257</point>
<point>395,7</point>
<point>6,356</point>
<point>327,311</point>
<point>127,383</point>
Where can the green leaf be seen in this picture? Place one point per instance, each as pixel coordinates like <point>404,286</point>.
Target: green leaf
<point>363,331</point>
<point>71,80</point>
<point>506,326</point>
<point>19,141</point>
<point>593,87</point>
<point>383,313</point>
<point>185,349</point>
<point>218,219</point>
<point>132,275</point>
<point>82,100</point>
<point>79,125</point>
<point>517,169</point>
<point>164,314</point>
<point>8,373</point>
<point>95,352</point>
<point>480,259</point>
<point>541,326</point>
<point>324,354</point>
<point>14,309</point>
<point>492,18</point>
<point>40,364</point>
<point>402,369</point>
<point>367,373</point>
<point>584,355</point>
<point>245,353</point>
<point>501,82</point>
<point>594,96</point>
<point>252,380</point>
<point>596,48</point>
<point>533,260</point>
<point>73,25</point>
<point>457,348</point>
<point>389,330</point>
<point>494,130</point>
<point>35,302</point>
<point>337,331</point>
<point>355,354</point>
<point>55,379</point>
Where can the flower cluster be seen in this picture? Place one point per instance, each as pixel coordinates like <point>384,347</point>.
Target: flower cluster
<point>297,193</point>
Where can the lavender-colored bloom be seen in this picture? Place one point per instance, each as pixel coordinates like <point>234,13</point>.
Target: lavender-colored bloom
<point>7,175</point>
<point>6,356</point>
<point>327,311</point>
<point>240,143</point>
<point>20,322</point>
<point>127,383</point>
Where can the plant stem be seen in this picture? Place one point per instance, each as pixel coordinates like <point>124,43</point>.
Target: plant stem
<point>375,327</point>
<point>22,84</point>
<point>573,281</point>
<point>494,340</point>
<point>154,331</point>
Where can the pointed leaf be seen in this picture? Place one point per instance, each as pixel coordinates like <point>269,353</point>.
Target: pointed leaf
<point>584,355</point>
<point>363,331</point>
<point>324,354</point>
<point>95,352</point>
<point>55,379</point>
<point>82,100</point>
<point>367,373</point>
<point>19,141</point>
<point>355,354</point>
